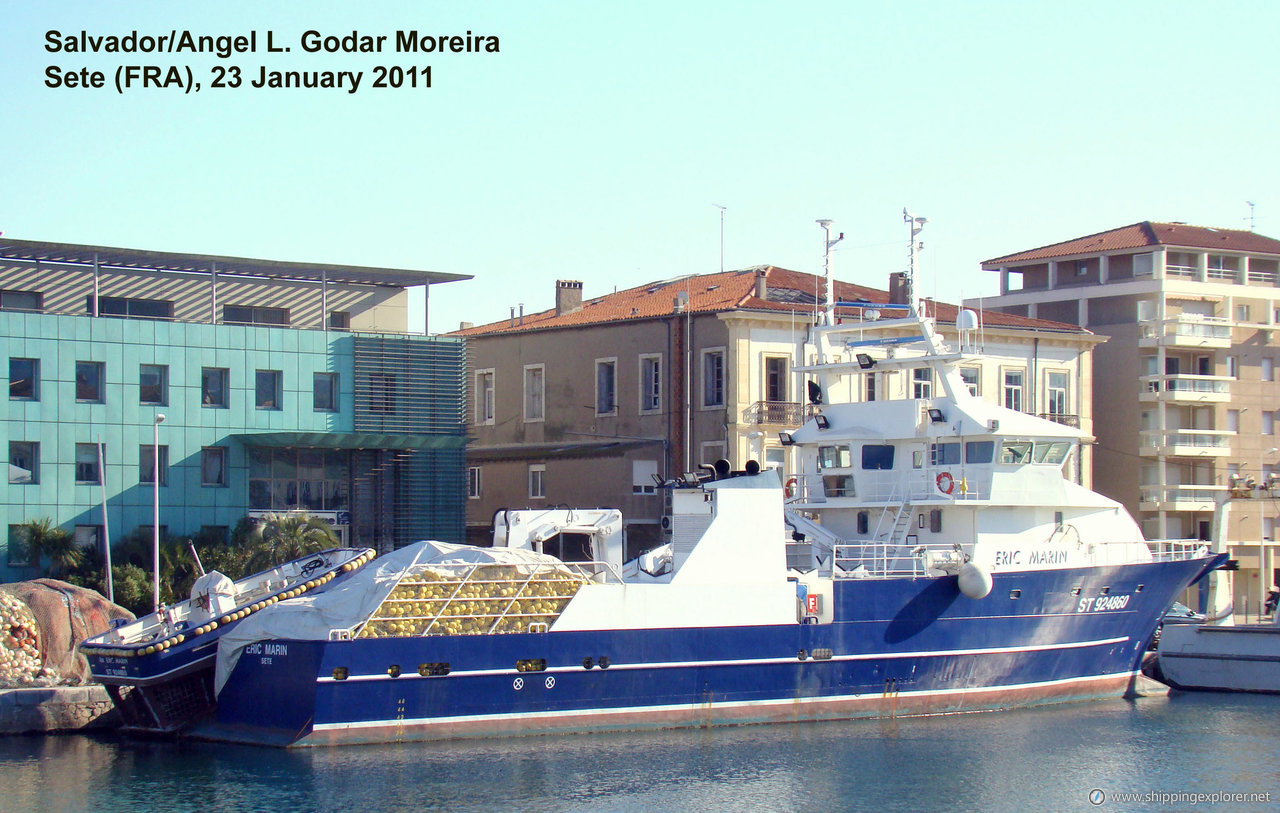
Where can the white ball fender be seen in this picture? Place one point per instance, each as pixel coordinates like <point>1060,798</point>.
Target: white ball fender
<point>975,581</point>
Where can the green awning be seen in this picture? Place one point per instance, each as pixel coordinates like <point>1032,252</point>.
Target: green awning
<point>350,440</point>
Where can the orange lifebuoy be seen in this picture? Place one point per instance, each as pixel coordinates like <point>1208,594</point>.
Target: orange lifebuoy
<point>946,482</point>
<point>790,488</point>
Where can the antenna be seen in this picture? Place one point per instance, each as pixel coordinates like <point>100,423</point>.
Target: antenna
<point>916,225</point>
<point>826,269</point>
<point>722,209</point>
<point>1249,202</point>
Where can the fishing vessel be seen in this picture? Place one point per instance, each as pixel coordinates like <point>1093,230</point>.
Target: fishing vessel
<point>929,557</point>
<point>158,669</point>
<point>1226,653</point>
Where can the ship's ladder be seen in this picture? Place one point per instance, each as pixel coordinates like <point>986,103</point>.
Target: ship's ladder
<point>900,507</point>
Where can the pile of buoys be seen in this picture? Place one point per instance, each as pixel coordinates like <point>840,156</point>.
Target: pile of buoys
<point>494,599</point>
<point>20,661</point>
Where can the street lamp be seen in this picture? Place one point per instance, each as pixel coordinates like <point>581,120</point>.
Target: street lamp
<point>155,515</point>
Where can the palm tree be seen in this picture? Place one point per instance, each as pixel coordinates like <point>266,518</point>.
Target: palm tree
<point>44,540</point>
<point>280,538</point>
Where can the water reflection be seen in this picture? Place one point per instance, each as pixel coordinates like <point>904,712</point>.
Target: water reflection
<point>1038,759</point>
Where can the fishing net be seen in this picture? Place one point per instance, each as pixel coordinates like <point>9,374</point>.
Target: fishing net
<point>41,622</point>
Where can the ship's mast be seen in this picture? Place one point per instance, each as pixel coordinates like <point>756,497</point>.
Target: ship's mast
<point>916,225</point>
<point>830,312</point>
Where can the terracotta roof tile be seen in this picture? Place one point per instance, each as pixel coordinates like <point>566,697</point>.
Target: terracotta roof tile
<point>729,291</point>
<point>1144,234</point>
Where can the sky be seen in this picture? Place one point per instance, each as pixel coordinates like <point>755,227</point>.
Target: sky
<point>600,140</point>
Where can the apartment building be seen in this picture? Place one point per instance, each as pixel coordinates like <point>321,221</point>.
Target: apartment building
<point>283,386</point>
<point>585,403</point>
<point>1190,396</point>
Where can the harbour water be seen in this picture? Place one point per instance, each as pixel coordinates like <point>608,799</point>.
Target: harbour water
<point>1187,747</point>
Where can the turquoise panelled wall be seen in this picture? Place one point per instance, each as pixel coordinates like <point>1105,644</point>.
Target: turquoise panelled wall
<point>57,421</point>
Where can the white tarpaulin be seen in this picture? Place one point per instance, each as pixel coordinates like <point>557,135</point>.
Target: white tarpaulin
<point>357,597</point>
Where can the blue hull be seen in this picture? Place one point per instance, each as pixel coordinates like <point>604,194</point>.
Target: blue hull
<point>898,647</point>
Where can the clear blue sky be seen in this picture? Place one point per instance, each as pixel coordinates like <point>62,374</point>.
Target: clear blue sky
<point>595,144</point>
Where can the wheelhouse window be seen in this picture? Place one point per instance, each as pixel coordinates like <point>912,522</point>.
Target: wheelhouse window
<point>877,457</point>
<point>944,454</point>
<point>1052,452</point>
<point>971,377</point>
<point>979,451</point>
<point>834,457</point>
<point>1015,452</point>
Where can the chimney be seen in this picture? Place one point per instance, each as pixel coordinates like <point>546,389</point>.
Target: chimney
<point>762,285</point>
<point>466,325</point>
<point>898,288</point>
<point>568,296</point>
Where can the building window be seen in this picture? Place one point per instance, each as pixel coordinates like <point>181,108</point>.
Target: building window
<point>1268,423</point>
<point>146,464</point>
<point>712,378</point>
<point>87,463</point>
<point>643,477</point>
<point>21,301</point>
<point>247,315</point>
<point>869,387</point>
<point>971,377</point>
<point>339,320</point>
<point>922,382</point>
<point>266,389</point>
<point>130,308</point>
<point>537,481</point>
<point>1013,389</point>
<point>89,381</point>
<point>153,384</point>
<point>484,393</point>
<point>19,554</point>
<point>382,393</point>
<point>289,479</point>
<point>775,378</point>
<point>1233,366</point>
<point>473,483</point>
<point>324,392</point>
<point>1242,313</point>
<point>213,466</point>
<point>24,462</point>
<point>1082,268</point>
<point>534,384</point>
<point>1268,369</point>
<point>24,379</point>
<point>88,537</point>
<point>1056,392</point>
<point>213,386</point>
<point>651,384</point>
<point>606,386</point>
<point>1233,420</point>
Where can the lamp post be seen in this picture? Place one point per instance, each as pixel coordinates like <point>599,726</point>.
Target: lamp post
<point>155,515</point>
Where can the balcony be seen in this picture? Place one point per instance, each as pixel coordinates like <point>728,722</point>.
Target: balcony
<point>1201,498</point>
<point>1188,330</point>
<point>1184,271</point>
<point>1186,389</point>
<point>1063,418</point>
<point>1186,443</point>
<point>776,413</point>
